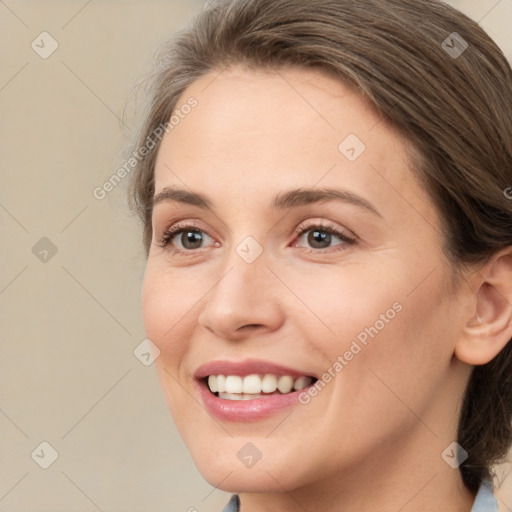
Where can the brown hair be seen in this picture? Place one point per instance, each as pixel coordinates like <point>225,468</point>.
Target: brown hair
<point>433,73</point>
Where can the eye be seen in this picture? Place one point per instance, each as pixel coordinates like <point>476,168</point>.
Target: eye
<point>185,238</point>
<point>188,238</point>
<point>318,237</point>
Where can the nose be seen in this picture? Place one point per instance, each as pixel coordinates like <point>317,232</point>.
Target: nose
<point>244,301</point>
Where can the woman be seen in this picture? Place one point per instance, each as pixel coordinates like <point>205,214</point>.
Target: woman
<point>329,242</point>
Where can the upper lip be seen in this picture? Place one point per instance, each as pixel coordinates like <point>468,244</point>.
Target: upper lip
<point>246,367</point>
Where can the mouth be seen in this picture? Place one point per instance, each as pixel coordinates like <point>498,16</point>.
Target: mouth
<point>253,386</point>
<point>249,390</point>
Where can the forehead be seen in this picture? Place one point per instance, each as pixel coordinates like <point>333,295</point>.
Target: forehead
<point>299,105</point>
<point>258,130</point>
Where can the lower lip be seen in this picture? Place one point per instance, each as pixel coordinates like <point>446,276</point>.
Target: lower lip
<point>246,410</point>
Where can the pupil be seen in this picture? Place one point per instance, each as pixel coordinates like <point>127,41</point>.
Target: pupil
<point>319,239</point>
<point>191,239</point>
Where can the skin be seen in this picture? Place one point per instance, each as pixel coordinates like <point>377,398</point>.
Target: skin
<point>372,439</point>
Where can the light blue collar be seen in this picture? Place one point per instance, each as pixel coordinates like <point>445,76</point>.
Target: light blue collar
<point>233,505</point>
<point>484,502</point>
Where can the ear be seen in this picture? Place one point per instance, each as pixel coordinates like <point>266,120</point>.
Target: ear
<point>489,328</point>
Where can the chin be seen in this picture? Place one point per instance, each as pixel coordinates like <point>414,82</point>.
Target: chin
<point>234,479</point>
<point>227,472</point>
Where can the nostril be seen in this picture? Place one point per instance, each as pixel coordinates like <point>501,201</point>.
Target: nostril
<point>250,326</point>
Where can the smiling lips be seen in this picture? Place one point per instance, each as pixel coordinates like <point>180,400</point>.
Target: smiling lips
<point>253,378</point>
<point>235,387</point>
<point>249,390</point>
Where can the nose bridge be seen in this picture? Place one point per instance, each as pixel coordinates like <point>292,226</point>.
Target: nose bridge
<point>245,268</point>
<point>245,271</point>
<point>242,296</point>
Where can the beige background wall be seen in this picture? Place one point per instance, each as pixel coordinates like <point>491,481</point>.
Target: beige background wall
<point>71,320</point>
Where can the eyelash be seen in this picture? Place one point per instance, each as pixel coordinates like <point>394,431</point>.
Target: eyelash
<point>324,228</point>
<point>171,233</point>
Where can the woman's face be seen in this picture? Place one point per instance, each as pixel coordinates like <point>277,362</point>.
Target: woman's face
<point>290,239</point>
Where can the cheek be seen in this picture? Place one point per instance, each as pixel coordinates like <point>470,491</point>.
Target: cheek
<point>344,305</point>
<point>168,306</point>
<point>405,361</point>
<point>378,339</point>
<point>378,303</point>
<point>168,315</point>
<point>165,316</point>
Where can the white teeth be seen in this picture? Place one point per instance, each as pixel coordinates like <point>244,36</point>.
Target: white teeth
<point>252,384</point>
<point>234,387</point>
<point>234,384</point>
<point>301,383</point>
<point>236,396</point>
<point>212,383</point>
<point>269,383</point>
<point>221,383</point>
<point>285,384</point>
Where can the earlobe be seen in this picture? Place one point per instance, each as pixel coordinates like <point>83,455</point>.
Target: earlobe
<point>489,328</point>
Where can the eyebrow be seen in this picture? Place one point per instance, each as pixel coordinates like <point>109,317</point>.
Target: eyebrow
<point>290,199</point>
<point>172,194</point>
<point>302,197</point>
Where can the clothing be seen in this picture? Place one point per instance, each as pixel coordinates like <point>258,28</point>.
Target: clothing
<point>233,505</point>
<point>484,502</point>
